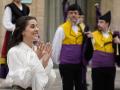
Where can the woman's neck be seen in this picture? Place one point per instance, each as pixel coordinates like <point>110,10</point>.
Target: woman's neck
<point>29,43</point>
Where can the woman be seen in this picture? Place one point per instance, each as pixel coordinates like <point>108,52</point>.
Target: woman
<point>12,12</point>
<point>28,68</point>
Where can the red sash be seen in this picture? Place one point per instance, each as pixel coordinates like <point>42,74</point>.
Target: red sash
<point>5,45</point>
<point>3,65</point>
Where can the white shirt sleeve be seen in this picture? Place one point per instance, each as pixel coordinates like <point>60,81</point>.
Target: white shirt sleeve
<point>51,74</point>
<point>49,67</point>
<point>17,73</point>
<point>57,44</point>
<point>7,20</point>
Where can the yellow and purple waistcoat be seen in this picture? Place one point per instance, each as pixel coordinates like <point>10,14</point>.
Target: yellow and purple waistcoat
<point>71,52</point>
<point>103,55</point>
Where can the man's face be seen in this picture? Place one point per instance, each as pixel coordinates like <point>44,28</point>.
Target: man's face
<point>73,15</point>
<point>102,25</point>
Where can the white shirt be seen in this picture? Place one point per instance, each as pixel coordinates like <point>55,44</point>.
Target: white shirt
<point>7,19</point>
<point>57,42</point>
<point>25,68</point>
<point>105,34</point>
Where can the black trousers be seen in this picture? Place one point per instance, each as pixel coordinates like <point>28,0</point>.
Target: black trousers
<point>71,75</point>
<point>84,75</point>
<point>103,78</point>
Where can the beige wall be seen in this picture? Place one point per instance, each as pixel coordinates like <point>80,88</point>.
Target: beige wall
<point>106,5</point>
<point>114,6</point>
<point>116,15</point>
<point>91,13</point>
<point>37,10</point>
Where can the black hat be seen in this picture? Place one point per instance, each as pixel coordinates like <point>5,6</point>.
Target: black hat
<point>74,7</point>
<point>81,12</point>
<point>106,17</point>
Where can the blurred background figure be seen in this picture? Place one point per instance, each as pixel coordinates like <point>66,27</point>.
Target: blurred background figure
<point>65,5</point>
<point>98,13</point>
<point>12,12</point>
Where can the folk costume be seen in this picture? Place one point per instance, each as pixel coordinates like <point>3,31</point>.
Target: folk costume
<point>11,14</point>
<point>103,60</point>
<point>67,52</point>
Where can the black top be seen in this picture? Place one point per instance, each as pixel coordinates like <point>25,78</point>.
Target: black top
<point>87,46</point>
<point>16,12</point>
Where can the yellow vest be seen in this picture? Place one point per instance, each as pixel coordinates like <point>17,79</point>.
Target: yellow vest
<point>102,43</point>
<point>82,25</point>
<point>70,36</point>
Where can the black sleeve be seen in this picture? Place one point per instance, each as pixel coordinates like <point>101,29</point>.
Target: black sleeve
<point>88,47</point>
<point>26,8</point>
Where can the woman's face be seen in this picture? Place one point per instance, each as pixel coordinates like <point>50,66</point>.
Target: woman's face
<point>31,31</point>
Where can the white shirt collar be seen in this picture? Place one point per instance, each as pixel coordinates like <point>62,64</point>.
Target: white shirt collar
<point>25,46</point>
<point>106,34</point>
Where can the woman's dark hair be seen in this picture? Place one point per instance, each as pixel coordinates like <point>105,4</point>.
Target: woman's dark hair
<point>21,24</point>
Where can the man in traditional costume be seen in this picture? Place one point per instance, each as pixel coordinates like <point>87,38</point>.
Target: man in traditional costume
<point>67,50</point>
<point>103,60</point>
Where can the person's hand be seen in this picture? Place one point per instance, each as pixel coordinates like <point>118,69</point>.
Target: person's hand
<point>39,50</point>
<point>116,40</point>
<point>97,5</point>
<point>46,54</point>
<point>88,34</point>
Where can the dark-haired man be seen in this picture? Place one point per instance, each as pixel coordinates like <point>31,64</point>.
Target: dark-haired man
<point>103,60</point>
<point>67,50</point>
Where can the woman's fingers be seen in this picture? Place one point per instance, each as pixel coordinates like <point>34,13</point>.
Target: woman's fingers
<point>49,47</point>
<point>44,51</point>
<point>41,46</point>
